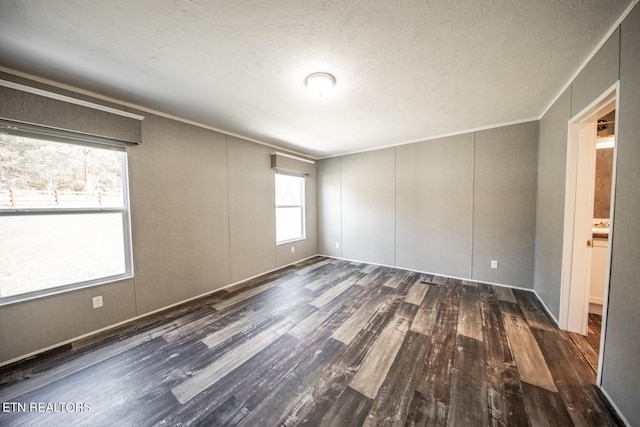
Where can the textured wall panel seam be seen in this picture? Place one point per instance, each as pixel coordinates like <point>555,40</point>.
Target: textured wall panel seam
<point>134,231</point>
<point>131,231</point>
<point>226,153</point>
<point>535,211</point>
<point>570,101</point>
<point>535,233</point>
<point>135,296</point>
<point>395,206</point>
<point>607,290</point>
<point>341,212</point>
<point>619,58</point>
<point>473,202</point>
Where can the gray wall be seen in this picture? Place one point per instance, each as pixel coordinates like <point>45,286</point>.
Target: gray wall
<point>597,76</point>
<point>179,212</point>
<point>504,207</point>
<point>431,206</point>
<point>368,213</point>
<point>203,216</point>
<point>27,107</point>
<point>251,187</point>
<point>30,326</point>
<point>621,372</point>
<point>618,58</point>
<point>330,207</point>
<point>185,237</point>
<point>552,160</point>
<point>434,199</point>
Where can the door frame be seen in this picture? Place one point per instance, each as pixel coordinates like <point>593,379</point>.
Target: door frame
<point>579,194</point>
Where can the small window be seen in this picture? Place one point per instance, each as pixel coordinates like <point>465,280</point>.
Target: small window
<point>290,224</point>
<point>64,215</point>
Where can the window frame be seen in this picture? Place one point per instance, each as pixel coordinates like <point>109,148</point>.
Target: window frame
<point>303,219</point>
<point>74,138</point>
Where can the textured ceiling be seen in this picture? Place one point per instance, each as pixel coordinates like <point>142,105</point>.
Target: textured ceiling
<point>405,70</point>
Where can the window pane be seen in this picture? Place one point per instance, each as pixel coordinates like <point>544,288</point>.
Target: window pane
<point>35,173</point>
<point>44,251</point>
<point>289,190</point>
<point>288,224</point>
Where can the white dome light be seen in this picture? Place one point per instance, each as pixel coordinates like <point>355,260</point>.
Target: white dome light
<point>320,83</point>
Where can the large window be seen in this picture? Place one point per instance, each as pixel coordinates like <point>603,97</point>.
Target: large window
<point>64,218</point>
<point>290,224</point>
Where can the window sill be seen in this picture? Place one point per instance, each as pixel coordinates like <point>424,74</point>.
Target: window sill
<point>284,242</point>
<point>45,293</point>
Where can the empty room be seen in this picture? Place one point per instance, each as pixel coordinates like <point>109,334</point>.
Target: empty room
<point>325,213</point>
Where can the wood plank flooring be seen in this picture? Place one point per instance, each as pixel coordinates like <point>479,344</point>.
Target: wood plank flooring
<point>323,343</point>
<point>590,345</point>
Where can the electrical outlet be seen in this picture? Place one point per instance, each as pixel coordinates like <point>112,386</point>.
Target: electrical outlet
<point>97,301</point>
<point>494,263</point>
<point>293,249</point>
<point>338,245</point>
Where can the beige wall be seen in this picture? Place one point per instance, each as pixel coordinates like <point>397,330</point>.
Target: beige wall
<point>30,326</point>
<point>447,206</point>
<point>203,217</point>
<point>179,212</point>
<point>368,211</point>
<point>330,207</point>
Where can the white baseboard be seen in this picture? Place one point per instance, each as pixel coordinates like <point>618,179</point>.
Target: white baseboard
<point>595,308</point>
<point>429,272</point>
<point>596,300</point>
<point>142,316</point>
<point>546,308</point>
<point>615,408</point>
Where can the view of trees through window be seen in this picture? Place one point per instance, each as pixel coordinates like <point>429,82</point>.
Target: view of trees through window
<point>39,173</point>
<point>63,214</point>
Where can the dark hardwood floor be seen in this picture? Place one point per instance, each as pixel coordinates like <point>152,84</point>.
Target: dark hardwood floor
<point>589,345</point>
<point>326,342</point>
<point>593,336</point>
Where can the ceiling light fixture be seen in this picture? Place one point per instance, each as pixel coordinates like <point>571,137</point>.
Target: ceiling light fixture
<point>320,83</point>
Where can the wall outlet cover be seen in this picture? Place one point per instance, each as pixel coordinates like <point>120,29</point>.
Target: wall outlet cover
<point>494,263</point>
<point>97,301</point>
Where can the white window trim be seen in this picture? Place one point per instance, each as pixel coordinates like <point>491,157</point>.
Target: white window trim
<point>303,211</point>
<point>73,138</point>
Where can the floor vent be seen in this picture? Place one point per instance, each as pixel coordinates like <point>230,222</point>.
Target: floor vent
<point>429,283</point>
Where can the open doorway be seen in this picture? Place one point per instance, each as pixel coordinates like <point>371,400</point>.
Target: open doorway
<point>591,159</point>
<point>602,219</point>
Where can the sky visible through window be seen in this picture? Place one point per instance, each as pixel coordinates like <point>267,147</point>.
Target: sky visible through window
<point>289,207</point>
